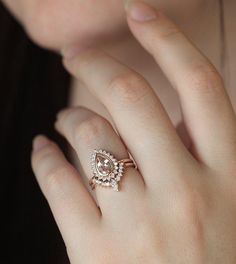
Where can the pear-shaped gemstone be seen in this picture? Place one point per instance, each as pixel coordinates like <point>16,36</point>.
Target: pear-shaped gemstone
<point>104,165</point>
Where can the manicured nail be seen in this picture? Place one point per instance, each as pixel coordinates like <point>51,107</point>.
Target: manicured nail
<point>40,142</point>
<point>72,51</point>
<point>140,11</point>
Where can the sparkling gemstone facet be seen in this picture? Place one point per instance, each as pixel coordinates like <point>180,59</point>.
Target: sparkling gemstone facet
<point>114,185</point>
<point>104,165</point>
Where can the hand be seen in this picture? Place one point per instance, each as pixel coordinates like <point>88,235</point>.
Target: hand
<point>180,206</point>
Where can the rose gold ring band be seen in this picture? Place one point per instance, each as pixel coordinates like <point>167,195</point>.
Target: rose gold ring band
<point>128,163</point>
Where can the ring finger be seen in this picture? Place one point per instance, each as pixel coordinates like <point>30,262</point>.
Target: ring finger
<point>86,131</point>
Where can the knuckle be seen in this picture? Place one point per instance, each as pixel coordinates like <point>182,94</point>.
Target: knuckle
<point>206,79</point>
<point>51,174</point>
<point>169,33</point>
<point>55,179</point>
<point>42,156</point>
<point>90,129</point>
<point>128,88</point>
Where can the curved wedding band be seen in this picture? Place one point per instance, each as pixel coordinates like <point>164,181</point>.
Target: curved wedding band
<point>107,170</point>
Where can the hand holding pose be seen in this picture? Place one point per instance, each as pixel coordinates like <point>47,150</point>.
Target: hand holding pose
<point>180,205</point>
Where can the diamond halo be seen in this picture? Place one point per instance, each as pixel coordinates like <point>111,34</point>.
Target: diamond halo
<point>107,170</point>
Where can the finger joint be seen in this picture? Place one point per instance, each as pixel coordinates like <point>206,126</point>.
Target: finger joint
<point>91,129</point>
<point>128,88</point>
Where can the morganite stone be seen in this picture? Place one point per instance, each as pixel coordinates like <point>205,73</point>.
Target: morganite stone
<point>104,165</point>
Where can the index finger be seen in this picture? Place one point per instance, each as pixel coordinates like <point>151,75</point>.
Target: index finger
<point>204,100</point>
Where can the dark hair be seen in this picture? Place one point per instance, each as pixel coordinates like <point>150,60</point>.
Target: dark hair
<point>33,88</point>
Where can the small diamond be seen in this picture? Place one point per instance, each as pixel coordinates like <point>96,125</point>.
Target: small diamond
<point>118,178</point>
<point>116,188</point>
<point>114,185</point>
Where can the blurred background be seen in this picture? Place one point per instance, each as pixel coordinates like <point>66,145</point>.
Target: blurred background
<point>29,79</point>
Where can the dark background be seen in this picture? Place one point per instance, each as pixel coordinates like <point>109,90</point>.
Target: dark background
<point>33,88</point>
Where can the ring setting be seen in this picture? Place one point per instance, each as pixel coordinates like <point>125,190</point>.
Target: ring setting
<point>107,170</point>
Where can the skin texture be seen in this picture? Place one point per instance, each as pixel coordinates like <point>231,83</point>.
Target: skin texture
<point>56,24</point>
<point>53,24</point>
<point>179,207</point>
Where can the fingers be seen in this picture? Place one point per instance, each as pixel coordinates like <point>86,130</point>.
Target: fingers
<point>70,202</point>
<point>205,104</point>
<point>137,112</point>
<point>86,131</point>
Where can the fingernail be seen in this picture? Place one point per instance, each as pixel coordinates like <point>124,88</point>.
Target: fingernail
<point>40,142</point>
<point>140,11</point>
<point>70,52</point>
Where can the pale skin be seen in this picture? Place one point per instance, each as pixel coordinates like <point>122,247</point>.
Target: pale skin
<point>179,206</point>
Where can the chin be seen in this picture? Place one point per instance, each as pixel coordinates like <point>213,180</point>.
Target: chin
<point>54,37</point>
<point>55,27</point>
